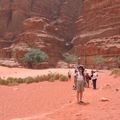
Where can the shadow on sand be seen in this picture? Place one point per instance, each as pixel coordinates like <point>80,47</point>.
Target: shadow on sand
<point>84,103</point>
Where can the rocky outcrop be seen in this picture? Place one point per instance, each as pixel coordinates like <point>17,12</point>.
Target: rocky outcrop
<point>37,34</point>
<point>100,52</point>
<point>97,32</point>
<point>12,14</point>
<point>55,26</point>
<point>62,13</point>
<point>37,23</point>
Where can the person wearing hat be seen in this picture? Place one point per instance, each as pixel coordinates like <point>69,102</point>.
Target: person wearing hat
<point>80,84</point>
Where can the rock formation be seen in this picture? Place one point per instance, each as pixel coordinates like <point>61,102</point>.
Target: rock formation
<point>98,32</point>
<point>48,25</point>
<point>39,33</point>
<point>55,26</point>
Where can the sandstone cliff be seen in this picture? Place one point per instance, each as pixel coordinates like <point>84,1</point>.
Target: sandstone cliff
<point>98,32</point>
<point>48,25</point>
<point>57,25</point>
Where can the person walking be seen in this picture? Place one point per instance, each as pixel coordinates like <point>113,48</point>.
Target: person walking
<point>80,84</point>
<point>94,78</point>
<point>75,79</point>
<point>69,75</point>
<point>88,78</point>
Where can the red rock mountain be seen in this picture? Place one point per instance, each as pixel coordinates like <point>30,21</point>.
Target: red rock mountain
<point>57,25</point>
<point>45,24</point>
<point>98,33</point>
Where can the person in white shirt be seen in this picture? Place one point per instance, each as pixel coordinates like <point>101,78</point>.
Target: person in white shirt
<point>94,79</point>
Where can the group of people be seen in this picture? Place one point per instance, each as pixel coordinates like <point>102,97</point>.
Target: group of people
<point>82,79</point>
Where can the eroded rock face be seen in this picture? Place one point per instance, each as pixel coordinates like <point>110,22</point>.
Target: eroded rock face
<point>37,35</point>
<point>97,32</point>
<point>51,25</point>
<point>14,12</point>
<point>37,23</point>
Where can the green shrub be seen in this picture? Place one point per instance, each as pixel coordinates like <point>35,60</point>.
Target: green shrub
<point>34,56</point>
<point>98,60</point>
<point>69,58</point>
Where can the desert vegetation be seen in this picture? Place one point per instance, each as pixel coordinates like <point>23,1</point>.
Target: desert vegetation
<point>33,57</point>
<point>70,58</point>
<point>98,61</point>
<point>115,72</point>
<point>51,77</point>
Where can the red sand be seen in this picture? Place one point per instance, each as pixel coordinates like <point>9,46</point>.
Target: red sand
<point>57,100</point>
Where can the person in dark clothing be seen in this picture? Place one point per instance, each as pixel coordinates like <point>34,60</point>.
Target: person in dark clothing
<point>69,75</point>
<point>88,78</point>
<point>94,79</point>
<point>75,79</point>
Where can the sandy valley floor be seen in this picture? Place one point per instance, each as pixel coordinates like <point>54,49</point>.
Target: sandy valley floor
<point>57,100</point>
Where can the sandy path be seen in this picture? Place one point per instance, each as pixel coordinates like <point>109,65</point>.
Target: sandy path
<point>34,99</point>
<point>94,109</point>
<point>56,100</point>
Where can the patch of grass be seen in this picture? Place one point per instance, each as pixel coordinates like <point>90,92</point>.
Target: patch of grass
<point>63,78</point>
<point>29,80</point>
<point>115,72</point>
<point>20,80</point>
<point>51,77</point>
<point>37,79</point>
<point>57,76</point>
<point>3,82</point>
<point>12,81</point>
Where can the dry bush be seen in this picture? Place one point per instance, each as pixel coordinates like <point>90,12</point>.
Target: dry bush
<point>115,72</point>
<point>51,77</point>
